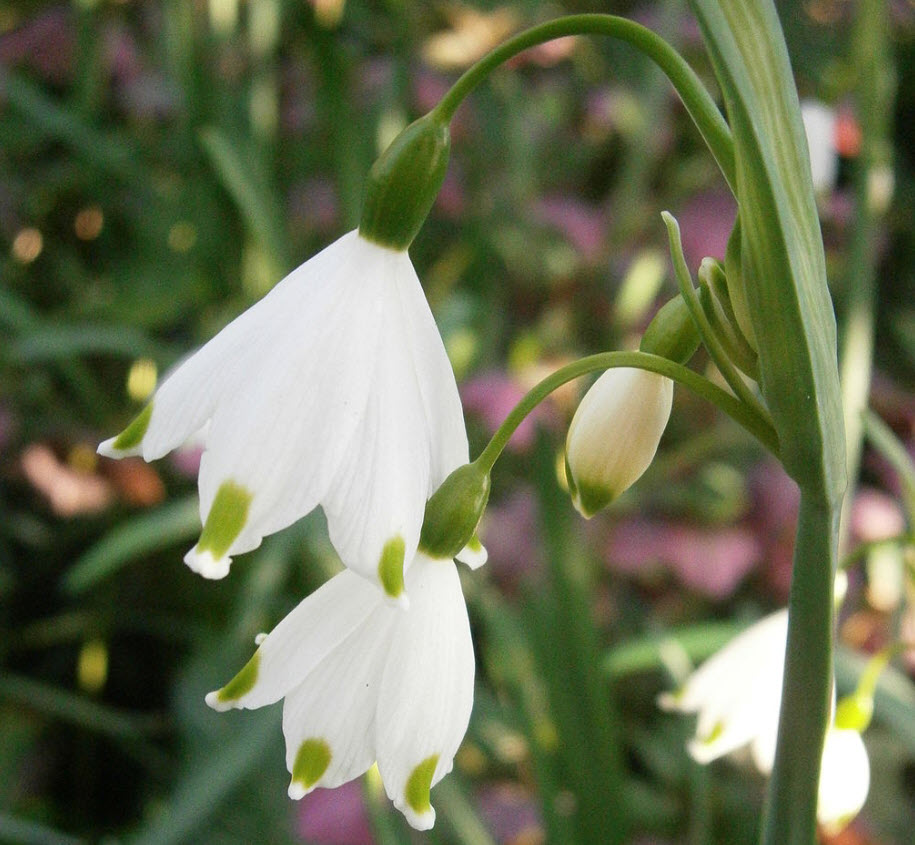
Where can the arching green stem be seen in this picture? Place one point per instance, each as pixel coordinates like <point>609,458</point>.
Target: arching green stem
<point>692,92</point>
<point>723,400</point>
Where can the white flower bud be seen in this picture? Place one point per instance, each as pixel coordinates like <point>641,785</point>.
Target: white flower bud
<point>614,435</point>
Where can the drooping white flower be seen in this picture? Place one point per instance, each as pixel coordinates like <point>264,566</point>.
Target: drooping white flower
<point>736,695</point>
<point>364,680</point>
<point>845,777</point>
<point>614,435</point>
<point>334,389</point>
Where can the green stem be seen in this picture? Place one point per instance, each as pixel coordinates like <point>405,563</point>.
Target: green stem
<point>792,801</point>
<point>710,339</point>
<point>723,400</point>
<point>692,92</point>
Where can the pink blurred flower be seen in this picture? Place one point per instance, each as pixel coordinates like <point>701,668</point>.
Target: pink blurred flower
<point>875,516</point>
<point>583,225</point>
<point>511,814</point>
<point>44,44</point>
<point>775,499</point>
<point>510,534</point>
<point>706,222</point>
<point>710,561</point>
<point>492,395</point>
<point>335,816</point>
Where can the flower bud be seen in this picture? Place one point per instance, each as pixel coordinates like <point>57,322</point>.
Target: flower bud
<point>453,513</point>
<point>403,183</point>
<point>614,435</point>
<point>672,332</point>
<point>735,270</point>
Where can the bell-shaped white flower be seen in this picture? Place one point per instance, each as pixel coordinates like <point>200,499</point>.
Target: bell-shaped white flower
<point>364,680</point>
<point>334,389</point>
<point>845,778</point>
<point>736,695</point>
<point>614,435</point>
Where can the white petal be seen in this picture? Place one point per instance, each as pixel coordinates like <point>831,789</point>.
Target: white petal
<point>300,643</point>
<point>426,691</point>
<point>329,719</point>
<point>819,127</point>
<point>435,380</point>
<point>411,437</point>
<point>844,779</point>
<point>614,435</point>
<point>474,554</point>
<point>737,691</point>
<point>286,430</point>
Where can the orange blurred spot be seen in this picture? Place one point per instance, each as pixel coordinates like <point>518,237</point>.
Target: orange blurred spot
<point>88,223</point>
<point>472,35</point>
<point>27,245</point>
<point>136,482</point>
<point>68,491</point>
<point>847,135</point>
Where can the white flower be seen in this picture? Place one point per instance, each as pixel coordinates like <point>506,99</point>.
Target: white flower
<point>364,680</point>
<point>334,389</point>
<point>820,129</point>
<point>845,777</point>
<point>737,694</point>
<point>614,435</point>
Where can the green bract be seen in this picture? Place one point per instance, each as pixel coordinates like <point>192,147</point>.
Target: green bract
<point>782,269</point>
<point>454,511</point>
<point>403,183</point>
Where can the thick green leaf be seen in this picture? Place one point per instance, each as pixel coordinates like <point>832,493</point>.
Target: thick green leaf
<point>782,251</point>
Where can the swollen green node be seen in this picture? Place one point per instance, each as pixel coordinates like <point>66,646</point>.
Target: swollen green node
<point>226,519</point>
<point>134,433</point>
<point>311,762</point>
<point>390,567</point>
<point>418,785</point>
<point>243,682</point>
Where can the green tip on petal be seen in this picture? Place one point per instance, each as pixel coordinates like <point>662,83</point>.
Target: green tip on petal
<point>589,499</point>
<point>131,436</point>
<point>390,567</point>
<point>311,762</point>
<point>416,792</point>
<point>714,734</point>
<point>226,519</point>
<point>242,683</point>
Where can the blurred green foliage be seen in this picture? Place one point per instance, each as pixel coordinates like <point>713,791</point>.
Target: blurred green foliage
<point>162,164</point>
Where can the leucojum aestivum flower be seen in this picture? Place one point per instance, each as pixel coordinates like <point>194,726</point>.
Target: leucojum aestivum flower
<point>335,391</point>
